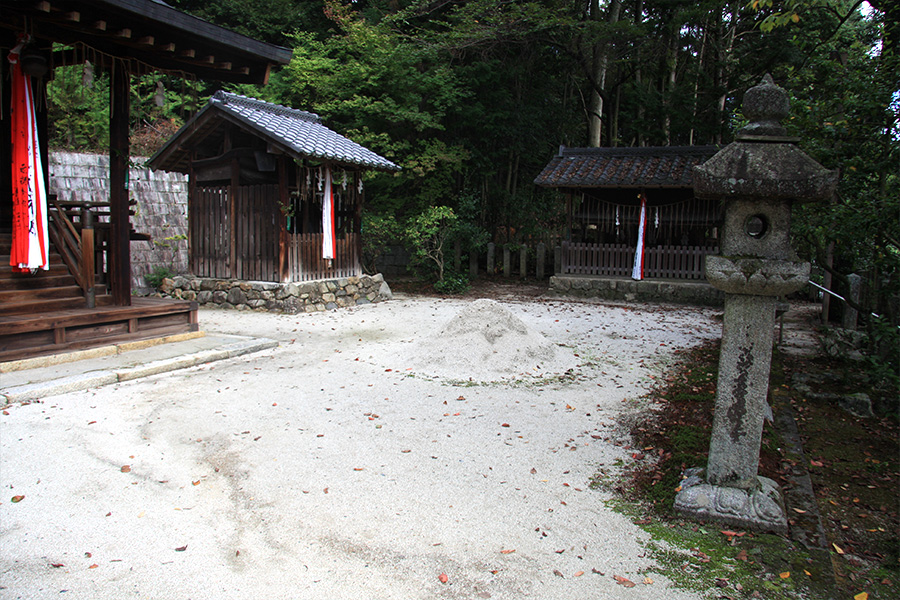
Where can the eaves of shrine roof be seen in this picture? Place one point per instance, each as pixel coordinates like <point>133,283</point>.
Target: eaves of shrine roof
<point>297,133</point>
<point>644,167</point>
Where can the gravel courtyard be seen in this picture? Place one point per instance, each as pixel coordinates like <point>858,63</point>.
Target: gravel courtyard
<point>377,452</point>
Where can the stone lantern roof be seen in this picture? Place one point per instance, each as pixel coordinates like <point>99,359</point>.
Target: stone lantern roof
<point>763,162</point>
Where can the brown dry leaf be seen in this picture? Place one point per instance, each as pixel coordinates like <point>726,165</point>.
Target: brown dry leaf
<point>742,555</point>
<point>558,573</point>
<point>93,566</point>
<point>17,499</point>
<point>443,578</point>
<point>195,482</point>
<point>861,596</point>
<point>126,469</point>
<point>57,565</point>
<point>785,575</point>
<point>648,581</point>
<point>623,581</point>
<point>578,574</point>
<point>508,551</point>
<point>181,548</point>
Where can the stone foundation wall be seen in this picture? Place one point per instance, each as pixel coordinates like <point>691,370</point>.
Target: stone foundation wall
<point>629,290</point>
<point>291,298</point>
<point>161,209</point>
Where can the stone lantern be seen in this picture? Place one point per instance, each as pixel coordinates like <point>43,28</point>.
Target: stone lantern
<point>757,178</point>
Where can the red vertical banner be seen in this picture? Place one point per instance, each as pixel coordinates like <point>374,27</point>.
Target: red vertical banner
<point>637,272</point>
<point>30,244</point>
<point>328,218</point>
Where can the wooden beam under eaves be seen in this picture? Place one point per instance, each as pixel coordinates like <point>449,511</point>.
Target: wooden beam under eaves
<point>147,40</point>
<point>167,47</point>
<point>210,60</point>
<point>189,53</point>
<point>124,33</point>
<point>224,66</point>
<point>100,25</point>
<point>73,17</point>
<point>42,6</point>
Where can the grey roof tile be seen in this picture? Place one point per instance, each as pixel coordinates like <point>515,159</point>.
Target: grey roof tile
<point>301,131</point>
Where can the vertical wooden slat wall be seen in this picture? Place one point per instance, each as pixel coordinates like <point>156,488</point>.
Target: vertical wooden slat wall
<point>617,260</point>
<point>307,264</point>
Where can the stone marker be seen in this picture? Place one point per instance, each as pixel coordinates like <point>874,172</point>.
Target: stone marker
<point>757,178</point>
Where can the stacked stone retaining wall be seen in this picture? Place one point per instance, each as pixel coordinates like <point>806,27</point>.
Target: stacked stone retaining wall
<point>291,298</point>
<point>646,290</point>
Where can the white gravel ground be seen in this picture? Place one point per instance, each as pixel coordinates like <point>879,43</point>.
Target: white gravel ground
<point>371,452</point>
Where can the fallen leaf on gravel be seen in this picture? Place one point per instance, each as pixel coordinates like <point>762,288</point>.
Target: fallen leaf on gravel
<point>798,510</point>
<point>126,469</point>
<point>325,490</point>
<point>93,566</point>
<point>19,498</point>
<point>815,463</point>
<point>785,575</point>
<point>742,555</point>
<point>443,578</point>
<point>861,596</point>
<point>558,573</point>
<point>509,551</point>
<point>195,482</point>
<point>57,565</point>
<point>578,574</point>
<point>181,549</point>
<point>505,425</point>
<point>623,581</point>
<point>648,581</point>
<point>837,548</point>
<point>597,572</point>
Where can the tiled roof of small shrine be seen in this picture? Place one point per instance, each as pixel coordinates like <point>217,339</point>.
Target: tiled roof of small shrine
<point>660,166</point>
<point>296,132</point>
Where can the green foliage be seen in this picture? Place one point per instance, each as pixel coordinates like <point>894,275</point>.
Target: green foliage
<point>378,233</point>
<point>78,102</point>
<point>155,278</point>
<point>426,236</point>
<point>452,283</point>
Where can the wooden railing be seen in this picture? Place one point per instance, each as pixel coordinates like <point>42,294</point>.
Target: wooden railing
<point>666,262</point>
<point>305,260</point>
<point>67,239</point>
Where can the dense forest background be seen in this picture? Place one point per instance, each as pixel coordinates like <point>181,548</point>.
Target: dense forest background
<point>472,98</point>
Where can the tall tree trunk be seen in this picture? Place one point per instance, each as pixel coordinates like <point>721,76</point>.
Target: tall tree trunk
<point>601,52</point>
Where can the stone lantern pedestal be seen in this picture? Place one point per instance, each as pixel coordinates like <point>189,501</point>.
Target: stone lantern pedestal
<point>757,178</point>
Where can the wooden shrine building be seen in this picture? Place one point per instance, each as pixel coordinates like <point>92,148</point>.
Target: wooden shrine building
<point>258,178</point>
<point>603,189</point>
<point>85,299</point>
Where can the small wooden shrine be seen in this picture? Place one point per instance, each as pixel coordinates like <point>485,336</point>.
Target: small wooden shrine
<point>603,190</point>
<point>269,185</point>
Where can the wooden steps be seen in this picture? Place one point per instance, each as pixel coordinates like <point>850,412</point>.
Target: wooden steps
<point>46,313</point>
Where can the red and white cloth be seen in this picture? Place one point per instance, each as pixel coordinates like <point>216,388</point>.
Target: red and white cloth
<point>328,218</point>
<point>30,242</point>
<point>637,273</point>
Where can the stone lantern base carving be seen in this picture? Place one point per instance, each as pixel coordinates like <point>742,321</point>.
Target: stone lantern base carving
<point>760,509</point>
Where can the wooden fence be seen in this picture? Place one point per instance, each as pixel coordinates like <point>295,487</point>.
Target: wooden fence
<point>240,240</point>
<point>306,263</point>
<point>665,262</point>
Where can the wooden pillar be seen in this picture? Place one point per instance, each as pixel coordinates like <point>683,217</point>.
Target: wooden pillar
<point>284,201</point>
<point>231,269</point>
<point>120,226</point>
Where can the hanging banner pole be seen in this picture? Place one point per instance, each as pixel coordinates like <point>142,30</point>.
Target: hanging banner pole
<point>30,243</point>
<point>328,218</point>
<point>637,272</point>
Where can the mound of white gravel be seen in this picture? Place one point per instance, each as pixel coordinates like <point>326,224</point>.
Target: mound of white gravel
<point>487,342</point>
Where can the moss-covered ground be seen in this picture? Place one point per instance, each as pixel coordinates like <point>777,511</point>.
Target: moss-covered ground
<point>853,464</point>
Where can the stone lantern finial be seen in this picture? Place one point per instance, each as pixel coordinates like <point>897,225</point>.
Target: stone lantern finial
<point>765,105</point>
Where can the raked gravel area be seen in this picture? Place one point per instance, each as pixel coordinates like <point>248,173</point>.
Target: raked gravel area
<point>376,452</point>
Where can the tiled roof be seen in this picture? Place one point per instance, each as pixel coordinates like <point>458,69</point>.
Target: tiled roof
<point>301,131</point>
<point>662,166</point>
<point>297,133</point>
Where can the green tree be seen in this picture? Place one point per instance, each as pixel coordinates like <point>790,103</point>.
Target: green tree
<point>427,235</point>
